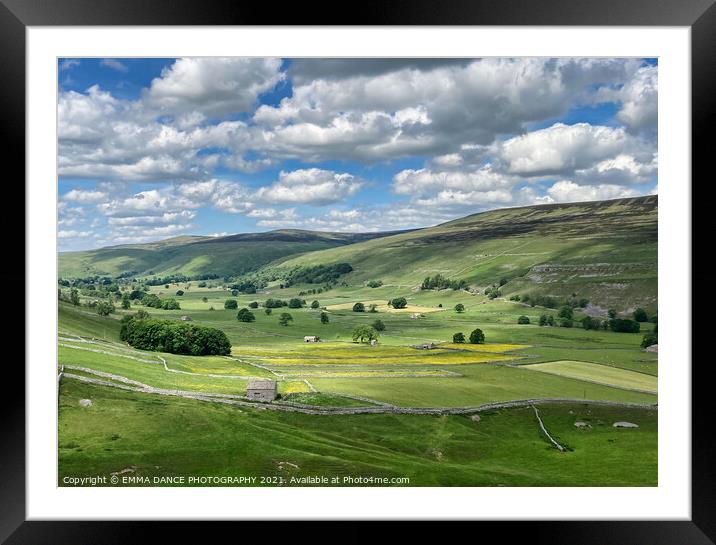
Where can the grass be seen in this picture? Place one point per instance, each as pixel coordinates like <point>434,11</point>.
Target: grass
<point>156,436</point>
<point>620,378</point>
<point>479,384</point>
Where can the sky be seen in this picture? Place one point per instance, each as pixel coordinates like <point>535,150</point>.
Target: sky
<point>156,148</point>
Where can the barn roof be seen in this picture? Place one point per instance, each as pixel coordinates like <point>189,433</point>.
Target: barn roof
<point>261,385</point>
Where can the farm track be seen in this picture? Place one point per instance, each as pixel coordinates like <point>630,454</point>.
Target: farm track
<point>241,401</point>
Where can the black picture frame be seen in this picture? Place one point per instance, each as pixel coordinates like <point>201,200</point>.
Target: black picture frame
<point>699,15</point>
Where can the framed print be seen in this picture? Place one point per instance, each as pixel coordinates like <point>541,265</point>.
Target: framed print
<point>407,269</point>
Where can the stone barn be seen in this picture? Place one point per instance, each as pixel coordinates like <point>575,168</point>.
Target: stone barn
<point>311,339</point>
<point>261,390</point>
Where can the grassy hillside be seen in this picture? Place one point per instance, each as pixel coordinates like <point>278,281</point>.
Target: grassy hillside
<point>605,251</point>
<point>224,256</point>
<point>159,437</point>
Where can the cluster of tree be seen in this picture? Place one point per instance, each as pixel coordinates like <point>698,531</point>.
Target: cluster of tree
<point>624,325</point>
<point>324,318</point>
<point>296,303</point>
<point>231,304</point>
<point>548,301</point>
<point>493,292</point>
<point>398,302</point>
<point>359,307</point>
<point>374,283</point>
<point>593,323</point>
<point>523,320</point>
<point>206,276</point>
<point>173,337</point>
<point>245,315</point>
<point>153,301</point>
<point>170,279</point>
<point>546,319</point>
<point>313,291</point>
<point>476,337</point>
<point>317,274</point>
<point>275,303</point>
<point>439,282</point>
<point>248,285</point>
<point>364,333</point>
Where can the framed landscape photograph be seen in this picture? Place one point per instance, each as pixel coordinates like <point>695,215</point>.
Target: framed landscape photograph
<point>356,273</point>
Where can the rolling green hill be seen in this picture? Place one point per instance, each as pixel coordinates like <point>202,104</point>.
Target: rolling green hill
<point>605,251</point>
<point>193,255</point>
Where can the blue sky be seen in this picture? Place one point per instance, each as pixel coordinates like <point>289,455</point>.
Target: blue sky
<point>155,148</point>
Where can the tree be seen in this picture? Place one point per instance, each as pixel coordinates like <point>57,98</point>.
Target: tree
<point>295,303</point>
<point>268,311</point>
<point>566,322</point>
<point>324,318</point>
<point>477,337</point>
<point>458,338</point>
<point>459,307</point>
<point>378,325</point>
<point>234,292</point>
<point>315,305</point>
<point>620,325</point>
<point>523,320</point>
<point>359,307</point>
<point>204,299</point>
<point>245,315</point>
<point>399,302</point>
<point>640,315</point>
<point>364,333</point>
<point>180,293</point>
<point>375,283</point>
<point>253,304</point>
<point>649,339</point>
<point>285,318</point>
<point>74,297</point>
<point>566,312</point>
<point>612,313</point>
<point>105,308</point>
<point>543,320</point>
<point>591,323</point>
<point>231,304</point>
<point>126,301</point>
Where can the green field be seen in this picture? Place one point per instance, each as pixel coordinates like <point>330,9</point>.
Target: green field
<point>155,436</point>
<point>598,373</point>
<point>538,250</point>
